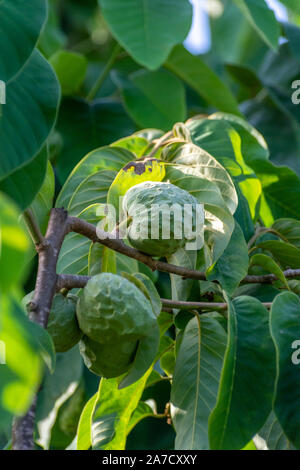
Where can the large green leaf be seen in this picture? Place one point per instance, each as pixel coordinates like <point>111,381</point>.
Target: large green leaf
<point>281,191</point>
<point>180,287</point>
<point>196,380</point>
<point>273,435</point>
<point>193,160</point>
<point>22,138</point>
<point>219,135</point>
<point>70,68</point>
<point>269,264</point>
<point>285,330</point>
<point>202,79</point>
<point>153,99</point>
<point>86,187</point>
<point>18,35</point>
<point>78,255</point>
<point>14,245</point>
<point>99,160</point>
<point>20,361</point>
<point>86,126</point>
<point>148,29</point>
<point>24,184</point>
<point>113,412</point>
<point>84,432</point>
<point>288,230</point>
<point>196,171</point>
<point>262,18</point>
<point>292,33</point>
<point>287,255</point>
<point>247,381</point>
<point>57,388</point>
<point>232,266</point>
<point>292,4</point>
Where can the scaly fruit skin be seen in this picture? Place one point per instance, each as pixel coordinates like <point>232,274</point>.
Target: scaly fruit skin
<point>138,202</point>
<point>112,309</point>
<point>107,359</point>
<point>62,323</point>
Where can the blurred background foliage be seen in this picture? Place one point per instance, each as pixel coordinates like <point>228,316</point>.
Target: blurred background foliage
<point>80,47</point>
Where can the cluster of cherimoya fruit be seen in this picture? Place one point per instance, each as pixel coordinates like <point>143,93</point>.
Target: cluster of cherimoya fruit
<point>114,318</point>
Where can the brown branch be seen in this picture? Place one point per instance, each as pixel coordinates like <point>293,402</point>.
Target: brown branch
<point>45,288</point>
<point>88,230</point>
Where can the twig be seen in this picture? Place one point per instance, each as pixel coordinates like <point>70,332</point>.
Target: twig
<point>99,82</point>
<point>33,228</point>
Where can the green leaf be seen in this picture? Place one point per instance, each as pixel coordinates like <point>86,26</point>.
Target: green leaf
<point>287,254</point>
<point>292,4</point>
<point>285,330</point>
<point>113,411</point>
<point>148,29</point>
<point>14,245</point>
<point>46,345</point>
<point>57,388</point>
<point>288,230</point>
<point>18,35</point>
<point>180,287</point>
<point>270,265</point>
<point>70,68</point>
<point>142,411</point>
<point>224,136</point>
<point>43,201</point>
<point>195,381</point>
<point>145,355</point>
<point>86,126</point>
<point>150,292</point>
<point>292,33</point>
<point>232,266</point>
<point>281,191</point>
<point>153,99</point>
<point>22,138</point>
<point>84,432</point>
<point>20,362</point>
<point>248,375</point>
<point>87,187</point>
<point>262,18</point>
<point>23,184</point>
<point>199,173</point>
<point>273,434</point>
<point>202,79</point>
<point>135,144</point>
<point>92,165</point>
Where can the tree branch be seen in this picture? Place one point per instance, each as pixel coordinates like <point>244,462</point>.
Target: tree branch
<point>48,250</point>
<point>88,230</point>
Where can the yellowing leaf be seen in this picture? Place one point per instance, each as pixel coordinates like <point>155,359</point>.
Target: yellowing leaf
<point>135,172</point>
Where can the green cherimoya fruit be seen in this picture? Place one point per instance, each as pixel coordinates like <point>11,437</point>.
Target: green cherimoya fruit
<point>111,308</point>
<point>107,359</point>
<point>163,218</point>
<point>121,333</point>
<point>62,323</point>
